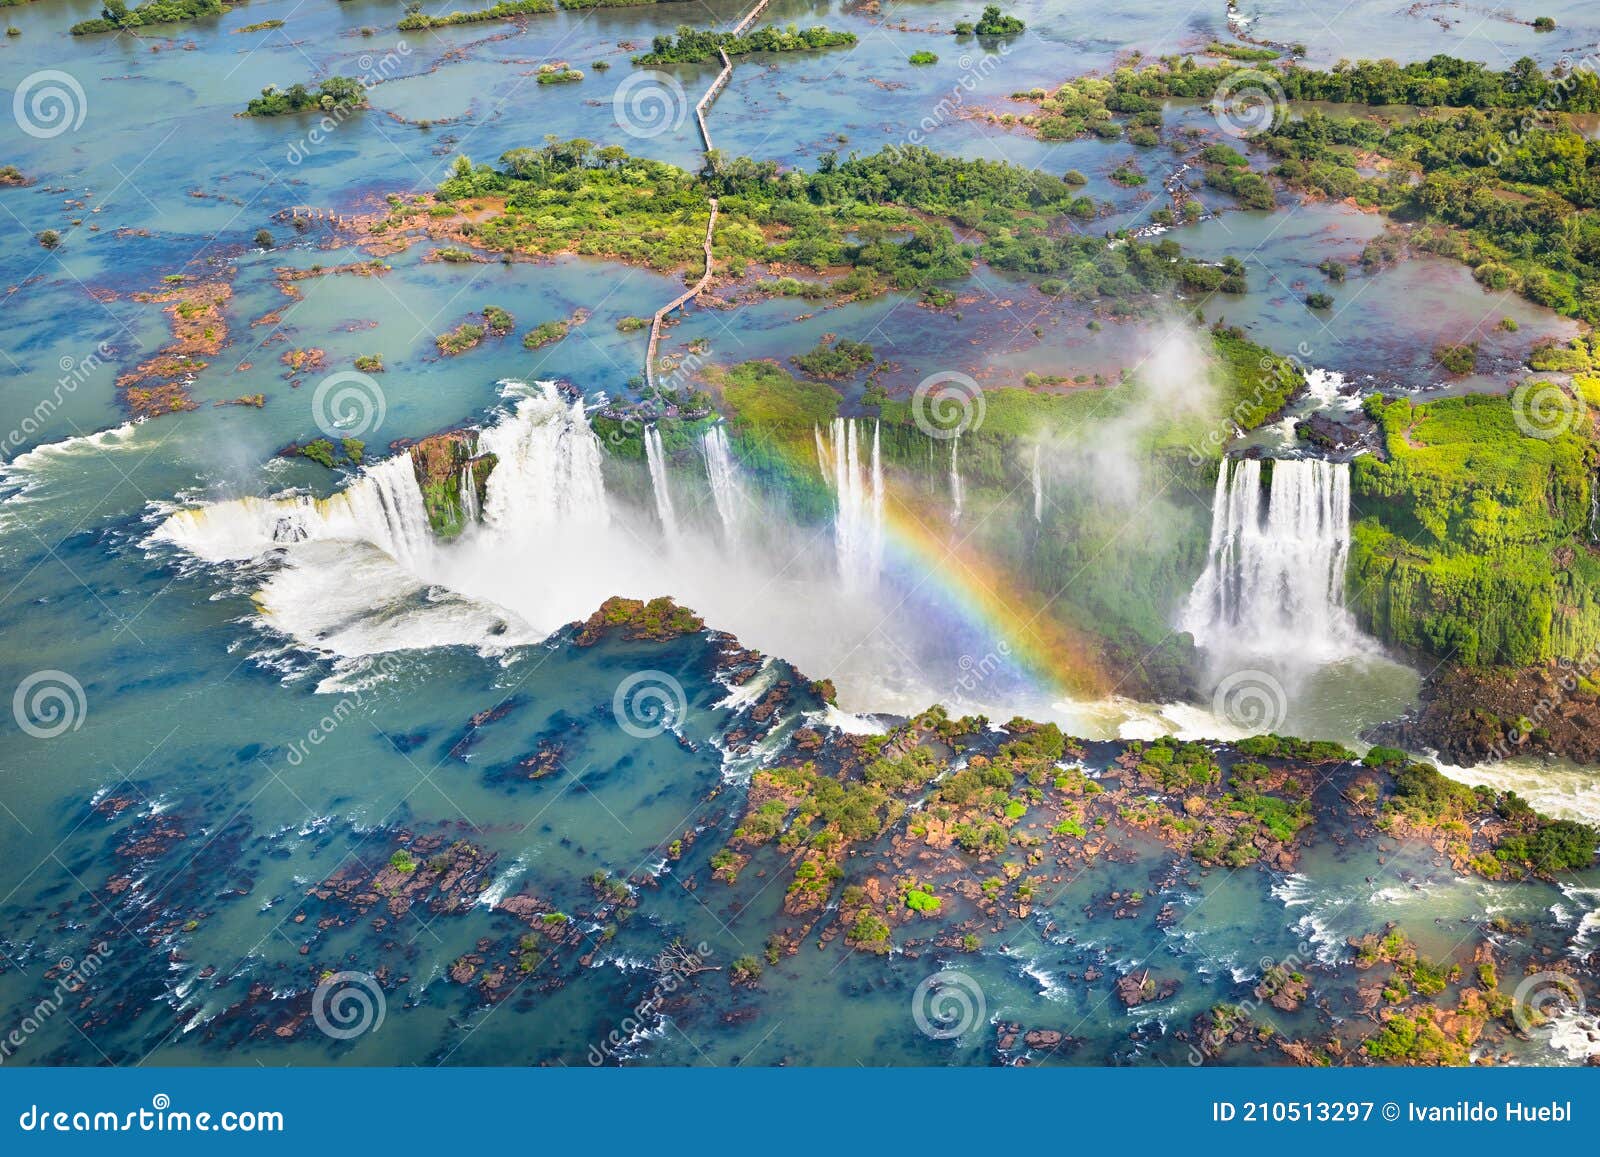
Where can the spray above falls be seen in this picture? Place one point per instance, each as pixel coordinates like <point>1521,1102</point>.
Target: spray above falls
<point>362,572</point>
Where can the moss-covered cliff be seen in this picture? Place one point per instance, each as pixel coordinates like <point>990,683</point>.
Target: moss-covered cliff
<point>440,462</point>
<point>1472,539</point>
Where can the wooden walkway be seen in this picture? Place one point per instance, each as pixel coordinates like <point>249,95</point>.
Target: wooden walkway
<point>700,108</point>
<point>750,17</point>
<point>688,295</point>
<point>711,95</point>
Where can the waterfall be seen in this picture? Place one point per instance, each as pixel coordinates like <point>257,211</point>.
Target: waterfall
<point>1274,584</point>
<point>657,460</point>
<point>723,475</point>
<point>548,468</point>
<point>548,474</point>
<point>1038,487</point>
<point>956,493</point>
<point>469,496</point>
<point>383,506</point>
<point>1594,509</point>
<point>858,525</point>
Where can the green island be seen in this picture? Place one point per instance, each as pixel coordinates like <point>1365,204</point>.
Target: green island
<point>695,46</point>
<point>993,22</point>
<point>505,10</point>
<point>873,215</point>
<point>335,93</point>
<point>116,15</point>
<point>1473,544</point>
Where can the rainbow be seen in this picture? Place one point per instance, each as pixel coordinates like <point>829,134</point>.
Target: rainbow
<point>965,581</point>
<point>961,580</point>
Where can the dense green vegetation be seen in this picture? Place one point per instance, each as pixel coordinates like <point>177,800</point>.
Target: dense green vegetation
<point>1513,199</point>
<point>557,74</point>
<point>1473,545</point>
<point>873,215</point>
<point>545,333</point>
<point>334,93</point>
<point>695,45</point>
<point>414,21</point>
<point>834,360</point>
<point>117,15</point>
<point>1438,82</point>
<point>1493,172</point>
<point>995,23</point>
<point>1527,841</point>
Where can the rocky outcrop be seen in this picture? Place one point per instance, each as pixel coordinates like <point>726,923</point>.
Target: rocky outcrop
<point>1471,715</point>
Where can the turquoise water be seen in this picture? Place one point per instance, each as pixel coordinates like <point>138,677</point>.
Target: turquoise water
<point>220,766</point>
